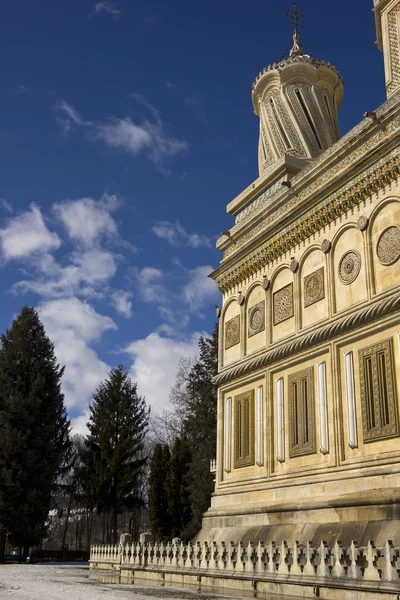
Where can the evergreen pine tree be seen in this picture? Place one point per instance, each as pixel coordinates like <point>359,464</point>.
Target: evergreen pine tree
<point>159,493</point>
<point>34,429</point>
<point>117,428</point>
<point>179,493</point>
<point>201,429</point>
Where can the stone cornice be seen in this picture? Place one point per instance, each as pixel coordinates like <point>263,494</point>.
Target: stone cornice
<point>303,342</point>
<point>315,219</point>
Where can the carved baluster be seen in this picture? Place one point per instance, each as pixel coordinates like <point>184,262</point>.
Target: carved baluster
<point>391,572</point>
<point>371,572</point>
<point>163,553</point>
<point>284,559</point>
<point>198,555</point>
<point>324,559</point>
<point>185,554</point>
<point>272,554</point>
<point>339,557</point>
<point>354,570</point>
<point>191,555</point>
<point>249,562</point>
<point>205,556</point>
<point>223,555</point>
<point>309,568</point>
<point>231,557</point>
<point>261,565</point>
<point>298,560</point>
<point>240,557</point>
<point>215,556</point>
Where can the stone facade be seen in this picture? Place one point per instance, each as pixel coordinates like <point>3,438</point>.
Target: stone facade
<point>315,254</point>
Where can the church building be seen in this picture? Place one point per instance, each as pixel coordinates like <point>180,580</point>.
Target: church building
<point>308,441</point>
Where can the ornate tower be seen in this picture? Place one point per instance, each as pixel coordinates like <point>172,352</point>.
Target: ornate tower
<point>297,100</point>
<point>387,17</point>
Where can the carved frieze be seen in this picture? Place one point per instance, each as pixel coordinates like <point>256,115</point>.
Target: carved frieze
<point>283,304</point>
<point>349,267</point>
<point>314,288</point>
<point>232,332</point>
<point>256,319</point>
<point>388,247</point>
<point>352,194</point>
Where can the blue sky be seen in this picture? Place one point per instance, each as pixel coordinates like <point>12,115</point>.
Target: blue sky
<point>126,128</point>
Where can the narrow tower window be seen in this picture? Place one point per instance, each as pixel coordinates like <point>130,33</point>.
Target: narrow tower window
<point>329,112</point>
<point>378,396</point>
<point>301,413</point>
<point>244,430</point>
<point>279,123</point>
<point>308,116</point>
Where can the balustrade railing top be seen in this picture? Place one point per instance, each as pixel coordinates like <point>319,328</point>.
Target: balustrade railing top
<point>367,564</point>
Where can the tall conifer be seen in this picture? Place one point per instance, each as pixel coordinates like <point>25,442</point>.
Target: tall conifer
<point>117,426</point>
<point>33,429</point>
<point>159,493</point>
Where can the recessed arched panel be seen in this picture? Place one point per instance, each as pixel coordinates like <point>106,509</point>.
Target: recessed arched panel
<point>255,315</point>
<point>349,269</point>
<point>385,246</point>
<point>314,289</point>
<point>282,305</point>
<point>231,336</point>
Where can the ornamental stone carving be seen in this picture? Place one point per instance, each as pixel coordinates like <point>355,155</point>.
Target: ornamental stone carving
<point>326,246</point>
<point>388,247</point>
<point>294,265</point>
<point>283,304</point>
<point>362,223</point>
<point>314,288</point>
<point>266,283</point>
<point>232,332</point>
<point>349,267</point>
<point>256,319</point>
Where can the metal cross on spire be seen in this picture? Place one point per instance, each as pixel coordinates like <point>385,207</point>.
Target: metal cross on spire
<point>296,19</point>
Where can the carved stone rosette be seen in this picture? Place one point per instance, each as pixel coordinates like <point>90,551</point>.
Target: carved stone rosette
<point>314,288</point>
<point>388,247</point>
<point>256,319</point>
<point>283,304</point>
<point>232,332</point>
<point>349,267</point>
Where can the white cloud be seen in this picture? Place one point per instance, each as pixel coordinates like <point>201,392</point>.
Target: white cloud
<point>86,275</point>
<point>27,234</point>
<point>72,325</point>
<point>155,362</point>
<point>86,219</point>
<point>176,235</point>
<point>121,301</point>
<point>201,290</point>
<point>107,7</point>
<point>125,135</point>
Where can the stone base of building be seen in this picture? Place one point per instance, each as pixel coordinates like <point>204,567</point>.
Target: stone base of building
<point>345,524</point>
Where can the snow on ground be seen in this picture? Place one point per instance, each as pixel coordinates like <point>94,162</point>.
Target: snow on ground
<point>66,582</point>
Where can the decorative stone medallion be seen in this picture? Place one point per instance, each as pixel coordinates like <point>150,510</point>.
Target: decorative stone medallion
<point>388,247</point>
<point>349,267</point>
<point>314,288</point>
<point>294,265</point>
<point>232,332</point>
<point>265,283</point>
<point>283,304</point>
<point>326,246</point>
<point>240,298</point>
<point>256,319</point>
<point>362,223</point>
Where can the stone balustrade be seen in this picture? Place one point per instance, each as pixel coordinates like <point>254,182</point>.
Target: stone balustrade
<point>352,563</point>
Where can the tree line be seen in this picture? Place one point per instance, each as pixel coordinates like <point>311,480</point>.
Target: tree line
<point>129,473</point>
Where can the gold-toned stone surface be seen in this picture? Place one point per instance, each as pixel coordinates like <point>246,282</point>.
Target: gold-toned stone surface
<point>256,319</point>
<point>283,304</point>
<point>388,248</point>
<point>349,267</point>
<point>314,288</point>
<point>232,332</point>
